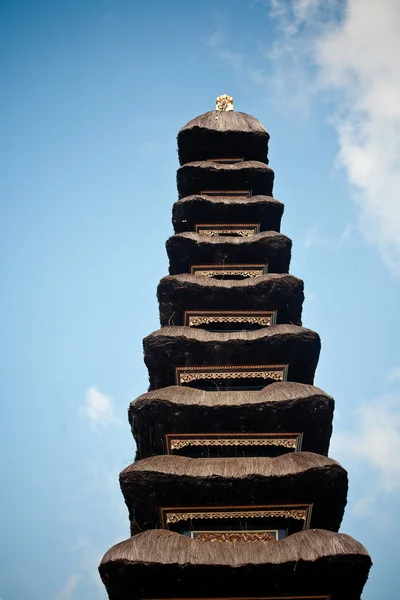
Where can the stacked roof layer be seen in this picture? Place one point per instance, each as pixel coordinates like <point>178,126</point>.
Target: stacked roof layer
<point>232,494</point>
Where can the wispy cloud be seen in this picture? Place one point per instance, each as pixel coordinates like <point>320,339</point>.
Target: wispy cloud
<point>99,409</point>
<point>393,375</point>
<point>68,591</point>
<point>218,34</point>
<point>359,57</point>
<point>374,443</point>
<point>350,50</point>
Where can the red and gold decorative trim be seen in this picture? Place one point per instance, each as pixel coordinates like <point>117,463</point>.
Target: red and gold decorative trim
<point>197,318</point>
<point>227,161</point>
<point>227,193</point>
<point>175,442</point>
<point>323,597</point>
<point>185,375</point>
<point>223,229</point>
<point>226,270</point>
<point>298,512</point>
<point>270,535</point>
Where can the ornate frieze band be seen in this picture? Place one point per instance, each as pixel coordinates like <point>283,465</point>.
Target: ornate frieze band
<point>298,512</point>
<point>217,232</point>
<point>235,536</point>
<point>229,270</point>
<point>290,441</point>
<point>226,161</point>
<point>227,193</point>
<point>324,597</point>
<point>186,375</point>
<point>238,229</point>
<point>197,318</point>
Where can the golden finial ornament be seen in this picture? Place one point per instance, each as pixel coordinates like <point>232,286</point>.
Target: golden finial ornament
<point>224,103</point>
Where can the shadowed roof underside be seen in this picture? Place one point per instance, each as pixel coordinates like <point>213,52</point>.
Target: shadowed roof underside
<point>280,407</point>
<point>218,134</point>
<point>189,248</point>
<point>172,347</point>
<point>194,177</point>
<point>149,565</point>
<point>274,291</point>
<point>192,210</point>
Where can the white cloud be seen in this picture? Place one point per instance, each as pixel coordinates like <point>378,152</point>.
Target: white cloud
<point>374,443</point>
<point>350,48</point>
<point>68,591</point>
<point>359,57</point>
<point>99,409</point>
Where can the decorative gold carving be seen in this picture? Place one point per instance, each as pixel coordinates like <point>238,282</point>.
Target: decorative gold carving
<point>224,103</point>
<point>217,232</point>
<point>197,320</point>
<point>176,517</point>
<point>324,597</point>
<point>178,444</point>
<point>234,536</point>
<point>188,377</point>
<point>241,272</point>
<point>227,193</point>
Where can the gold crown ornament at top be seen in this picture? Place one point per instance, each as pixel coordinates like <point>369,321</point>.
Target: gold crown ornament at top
<point>224,103</point>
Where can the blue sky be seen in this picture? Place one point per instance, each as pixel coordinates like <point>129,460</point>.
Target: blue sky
<point>93,95</point>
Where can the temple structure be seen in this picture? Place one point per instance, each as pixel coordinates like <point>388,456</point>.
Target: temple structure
<point>232,494</point>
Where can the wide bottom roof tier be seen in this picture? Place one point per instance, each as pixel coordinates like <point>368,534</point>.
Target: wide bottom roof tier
<point>188,212</point>
<point>277,292</point>
<point>188,249</point>
<point>163,564</point>
<point>281,407</point>
<point>295,350</point>
<point>152,485</point>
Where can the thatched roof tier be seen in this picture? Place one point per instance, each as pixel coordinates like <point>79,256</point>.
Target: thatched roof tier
<point>192,210</point>
<point>274,291</point>
<point>289,479</point>
<point>189,248</point>
<point>199,176</point>
<point>172,347</point>
<point>220,134</point>
<point>278,408</point>
<point>158,563</point>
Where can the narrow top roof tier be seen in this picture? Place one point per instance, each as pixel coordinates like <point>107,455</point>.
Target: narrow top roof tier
<point>218,120</point>
<point>220,134</point>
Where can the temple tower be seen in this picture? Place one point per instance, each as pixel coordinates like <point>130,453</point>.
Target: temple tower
<point>232,494</point>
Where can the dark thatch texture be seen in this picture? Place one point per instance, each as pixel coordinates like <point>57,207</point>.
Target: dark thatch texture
<point>179,481</point>
<point>281,407</point>
<point>217,134</point>
<point>189,248</point>
<point>172,347</point>
<point>193,210</point>
<point>280,292</point>
<point>195,177</point>
<point>152,565</point>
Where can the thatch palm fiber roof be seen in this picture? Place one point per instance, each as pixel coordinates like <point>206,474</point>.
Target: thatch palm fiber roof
<point>194,177</point>
<point>179,481</point>
<point>274,291</point>
<point>217,134</point>
<point>192,210</point>
<point>189,248</point>
<point>172,347</point>
<point>150,564</point>
<point>280,407</point>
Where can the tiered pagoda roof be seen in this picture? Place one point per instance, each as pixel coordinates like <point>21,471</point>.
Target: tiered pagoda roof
<point>232,494</point>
